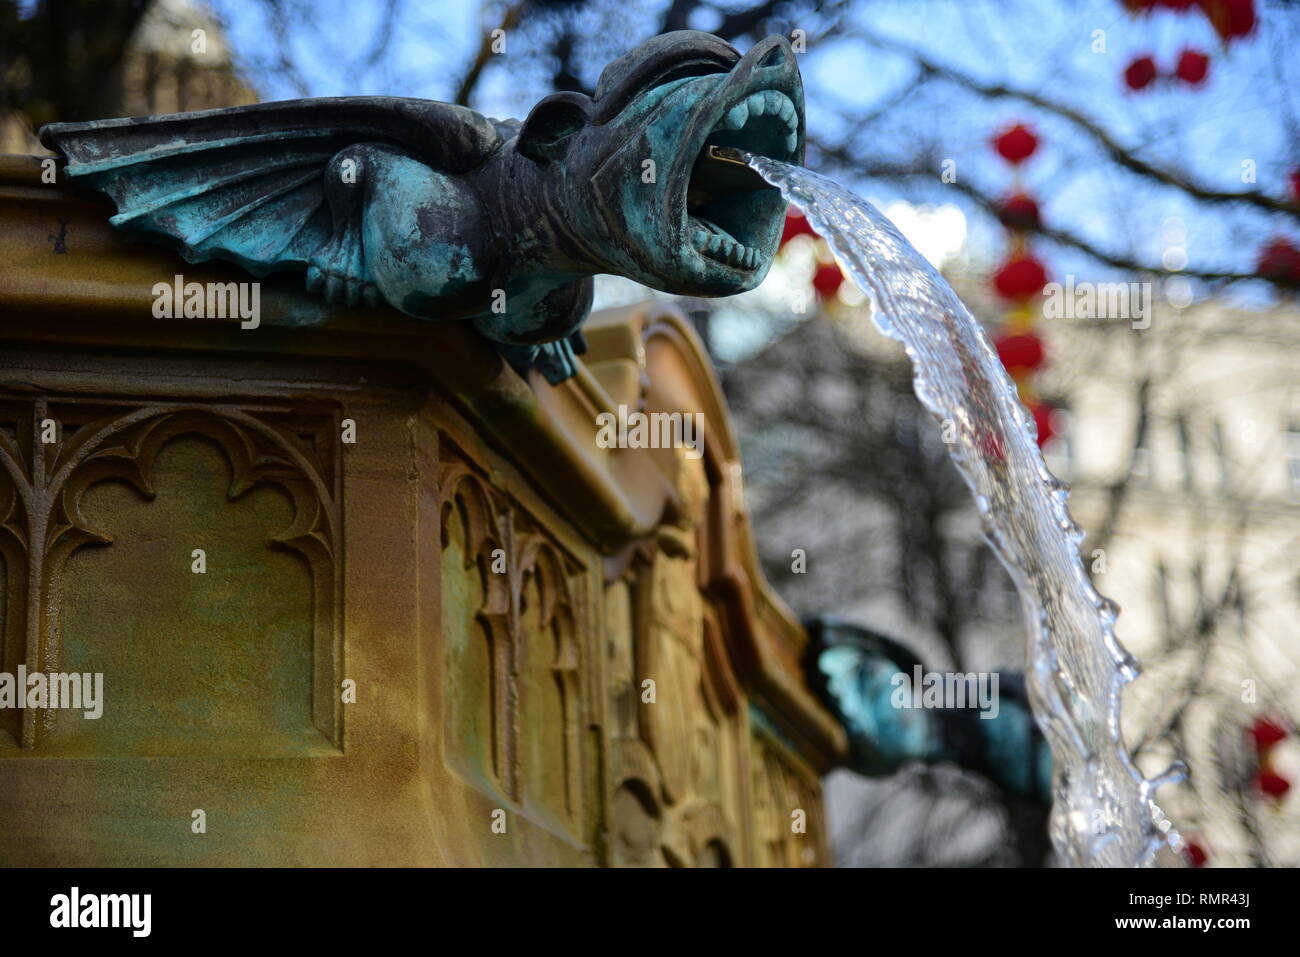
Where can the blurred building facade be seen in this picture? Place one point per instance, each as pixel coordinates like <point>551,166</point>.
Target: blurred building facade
<point>1181,441</point>
<point>179,61</point>
<point>175,60</point>
<point>1182,446</point>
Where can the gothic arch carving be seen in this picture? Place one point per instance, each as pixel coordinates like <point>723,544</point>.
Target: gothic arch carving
<point>528,605</point>
<point>554,652</point>
<point>43,524</point>
<point>465,500</point>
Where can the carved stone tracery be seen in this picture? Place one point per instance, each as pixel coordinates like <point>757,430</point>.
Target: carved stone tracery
<point>43,484</point>
<point>524,604</point>
<point>678,770</point>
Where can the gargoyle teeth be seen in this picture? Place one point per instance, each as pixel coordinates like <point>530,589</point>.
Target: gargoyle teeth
<point>715,243</point>
<point>736,118</point>
<point>772,103</point>
<point>763,122</point>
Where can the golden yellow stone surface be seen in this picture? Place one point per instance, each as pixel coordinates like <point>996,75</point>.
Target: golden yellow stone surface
<point>362,595</point>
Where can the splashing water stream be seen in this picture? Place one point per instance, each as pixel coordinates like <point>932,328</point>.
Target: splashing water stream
<point>1104,812</point>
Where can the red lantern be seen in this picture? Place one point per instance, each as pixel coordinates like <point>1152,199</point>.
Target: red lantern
<point>1140,73</point>
<point>1230,18</point>
<point>1020,278</point>
<point>1196,856</point>
<point>796,224</point>
<point>1016,144</point>
<point>1266,733</point>
<point>1042,413</point>
<point>1295,183</point>
<point>1272,784</point>
<point>1178,5</point>
<point>1280,259</point>
<point>1019,212</point>
<point>1193,66</point>
<point>827,280</point>
<point>1022,351</point>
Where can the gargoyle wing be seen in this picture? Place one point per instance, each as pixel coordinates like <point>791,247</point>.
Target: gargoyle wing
<point>248,184</point>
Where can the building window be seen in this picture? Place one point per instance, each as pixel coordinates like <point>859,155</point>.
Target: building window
<point>1142,452</point>
<point>1220,444</point>
<point>1184,450</point>
<point>1162,599</point>
<point>1238,601</point>
<point>1202,613</point>
<point>1293,461</point>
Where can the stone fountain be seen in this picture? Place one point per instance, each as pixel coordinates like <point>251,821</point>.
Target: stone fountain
<point>564,576</point>
<point>362,584</point>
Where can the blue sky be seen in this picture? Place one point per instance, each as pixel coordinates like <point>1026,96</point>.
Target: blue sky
<point>1246,111</point>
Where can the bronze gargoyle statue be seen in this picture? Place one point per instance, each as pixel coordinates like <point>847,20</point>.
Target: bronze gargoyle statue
<point>446,214</point>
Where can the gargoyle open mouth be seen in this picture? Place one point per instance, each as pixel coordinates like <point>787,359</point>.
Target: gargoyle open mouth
<point>723,220</point>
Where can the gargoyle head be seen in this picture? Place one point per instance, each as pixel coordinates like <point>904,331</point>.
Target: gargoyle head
<point>641,203</point>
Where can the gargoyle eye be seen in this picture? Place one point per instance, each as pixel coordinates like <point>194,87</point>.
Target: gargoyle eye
<point>683,71</point>
<point>649,78</point>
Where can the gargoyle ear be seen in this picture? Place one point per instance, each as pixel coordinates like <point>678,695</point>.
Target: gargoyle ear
<point>545,134</point>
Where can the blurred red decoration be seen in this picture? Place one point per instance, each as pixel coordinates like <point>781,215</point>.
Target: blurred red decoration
<point>1230,18</point>
<point>1179,5</point>
<point>990,444</point>
<point>1196,855</point>
<point>1266,733</point>
<point>1193,67</point>
<point>1138,6</point>
<point>1295,184</point>
<point>1020,351</point>
<point>1140,73</point>
<point>827,280</point>
<point>1042,413</point>
<point>1272,784</point>
<point>1019,212</point>
<point>796,224</point>
<point>1280,259</point>
<point>1020,278</point>
<point>1016,144</point>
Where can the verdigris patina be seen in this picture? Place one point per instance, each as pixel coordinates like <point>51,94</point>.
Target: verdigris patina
<point>446,214</point>
<point>873,685</point>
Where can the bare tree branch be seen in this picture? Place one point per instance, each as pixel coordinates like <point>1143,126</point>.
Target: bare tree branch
<point>927,169</point>
<point>1119,153</point>
<point>513,16</point>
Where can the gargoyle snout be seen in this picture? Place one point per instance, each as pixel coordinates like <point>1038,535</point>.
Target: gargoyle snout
<point>771,56</point>
<point>769,66</point>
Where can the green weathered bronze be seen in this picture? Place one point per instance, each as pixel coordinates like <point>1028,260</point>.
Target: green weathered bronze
<point>446,214</point>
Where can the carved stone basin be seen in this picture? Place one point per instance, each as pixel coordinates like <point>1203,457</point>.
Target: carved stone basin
<point>427,602</point>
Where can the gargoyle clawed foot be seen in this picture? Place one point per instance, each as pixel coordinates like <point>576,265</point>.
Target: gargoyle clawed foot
<point>338,271</point>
